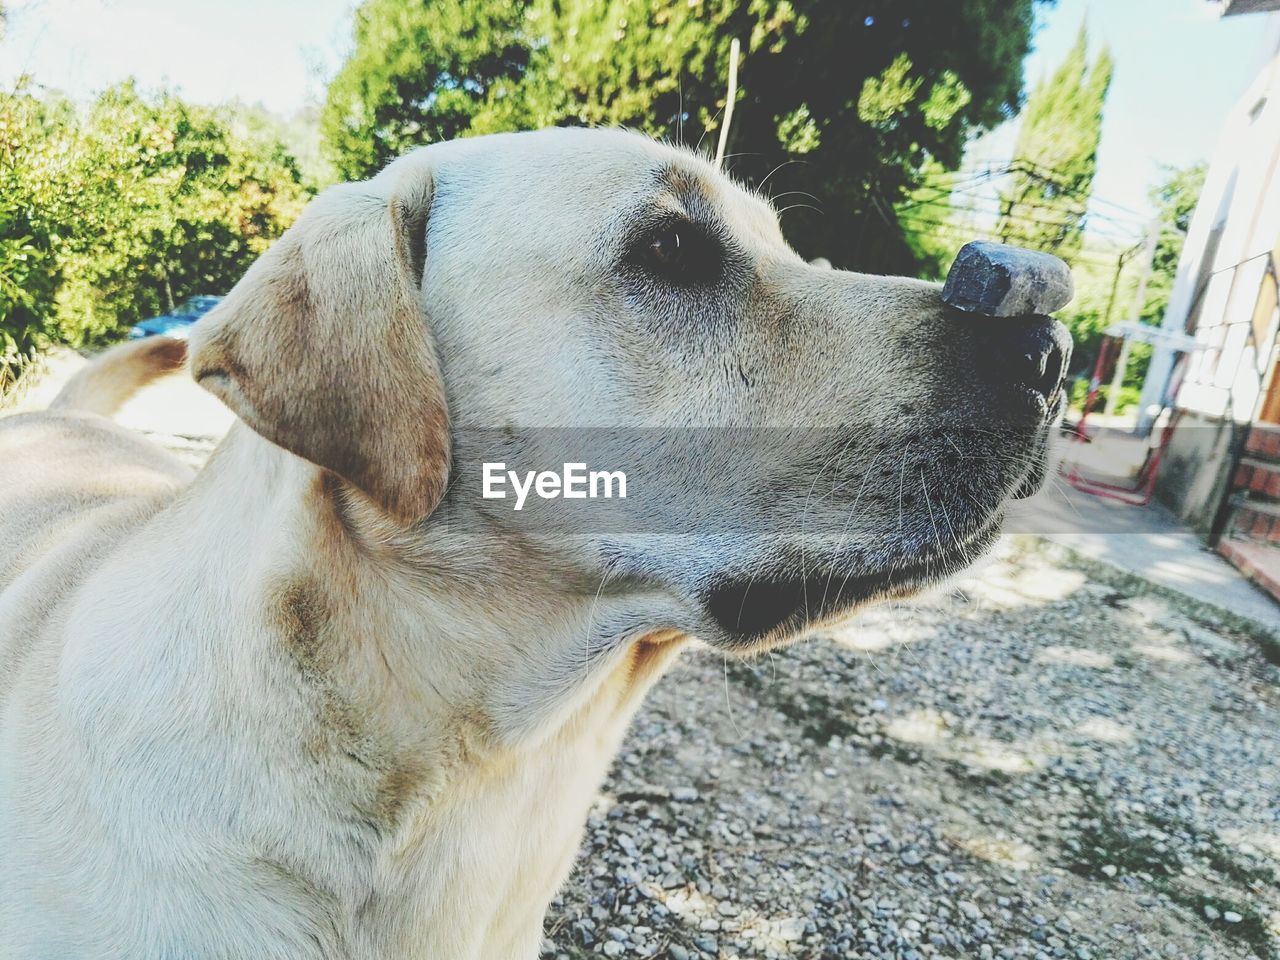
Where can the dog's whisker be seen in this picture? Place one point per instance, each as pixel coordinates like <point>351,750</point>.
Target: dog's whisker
<point>800,206</point>
<point>785,163</point>
<point>902,477</point>
<point>727,704</point>
<point>804,514</point>
<point>591,615</point>
<point>924,488</point>
<point>849,517</point>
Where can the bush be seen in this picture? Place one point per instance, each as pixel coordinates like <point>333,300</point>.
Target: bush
<point>1129,396</point>
<point>115,213</point>
<point>28,267</point>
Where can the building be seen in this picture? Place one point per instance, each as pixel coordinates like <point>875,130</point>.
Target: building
<point>1221,471</point>
<point>1231,8</point>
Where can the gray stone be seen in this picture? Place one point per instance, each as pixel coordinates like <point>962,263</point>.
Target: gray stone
<point>996,280</point>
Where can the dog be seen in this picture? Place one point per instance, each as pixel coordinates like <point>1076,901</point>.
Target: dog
<point>323,698</point>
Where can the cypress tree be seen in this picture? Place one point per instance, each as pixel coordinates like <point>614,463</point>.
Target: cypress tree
<point>1056,156</point>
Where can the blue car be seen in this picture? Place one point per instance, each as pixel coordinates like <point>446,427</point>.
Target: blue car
<point>175,324</point>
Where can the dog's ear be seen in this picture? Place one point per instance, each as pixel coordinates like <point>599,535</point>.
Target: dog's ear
<point>324,349</point>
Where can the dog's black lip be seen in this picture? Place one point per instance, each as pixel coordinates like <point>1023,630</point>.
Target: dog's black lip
<point>751,610</point>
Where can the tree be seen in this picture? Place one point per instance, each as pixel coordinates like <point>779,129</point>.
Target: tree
<point>29,234</point>
<point>115,213</point>
<point>420,72</point>
<point>932,227</point>
<point>172,201</point>
<point>866,95</point>
<point>1175,200</point>
<point>1107,289</point>
<point>844,100</point>
<point>1056,154</point>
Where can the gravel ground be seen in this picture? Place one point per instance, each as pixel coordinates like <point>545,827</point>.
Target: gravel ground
<point>1053,760</point>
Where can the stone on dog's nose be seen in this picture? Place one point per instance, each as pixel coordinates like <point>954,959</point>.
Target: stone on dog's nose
<point>996,280</point>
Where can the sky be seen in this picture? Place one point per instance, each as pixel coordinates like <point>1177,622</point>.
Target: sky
<point>278,53</point>
<point>1179,70</point>
<point>1178,67</point>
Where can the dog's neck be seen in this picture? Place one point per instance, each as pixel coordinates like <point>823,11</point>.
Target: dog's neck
<point>437,683</point>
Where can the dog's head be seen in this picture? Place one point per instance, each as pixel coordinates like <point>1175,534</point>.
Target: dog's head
<point>797,440</point>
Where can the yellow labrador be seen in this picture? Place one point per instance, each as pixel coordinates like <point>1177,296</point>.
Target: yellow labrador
<point>333,696</point>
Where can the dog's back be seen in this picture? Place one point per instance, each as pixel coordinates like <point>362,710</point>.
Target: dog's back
<point>72,486</point>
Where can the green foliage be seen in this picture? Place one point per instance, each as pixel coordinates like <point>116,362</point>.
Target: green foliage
<point>115,213</point>
<point>1130,395</point>
<point>863,92</point>
<point>1056,155</point>
<point>28,233</point>
<point>887,97</point>
<point>1098,302</point>
<point>1103,298</point>
<point>421,72</point>
<point>298,135</point>
<point>1175,200</point>
<point>931,225</point>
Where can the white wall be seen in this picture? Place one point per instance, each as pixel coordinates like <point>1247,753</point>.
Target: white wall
<point>1240,205</point>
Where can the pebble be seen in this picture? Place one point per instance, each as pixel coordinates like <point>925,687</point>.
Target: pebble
<point>997,280</point>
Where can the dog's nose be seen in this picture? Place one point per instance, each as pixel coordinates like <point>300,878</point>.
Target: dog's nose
<point>1030,352</point>
<point>1007,293</point>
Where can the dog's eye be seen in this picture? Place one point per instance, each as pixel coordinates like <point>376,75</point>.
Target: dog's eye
<point>681,253</point>
<point>664,247</point>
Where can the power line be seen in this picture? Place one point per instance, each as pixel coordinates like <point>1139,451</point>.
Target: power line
<point>971,180</point>
<point>1025,220</point>
<point>960,234</point>
<point>1054,175</point>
